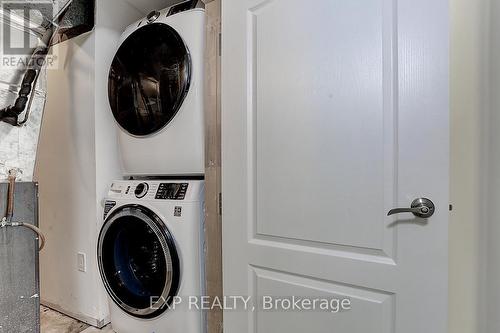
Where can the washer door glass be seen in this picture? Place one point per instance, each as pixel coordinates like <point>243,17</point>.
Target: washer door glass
<point>149,79</point>
<point>138,261</point>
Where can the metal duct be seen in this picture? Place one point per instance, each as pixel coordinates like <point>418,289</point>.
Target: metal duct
<point>79,19</point>
<point>20,287</point>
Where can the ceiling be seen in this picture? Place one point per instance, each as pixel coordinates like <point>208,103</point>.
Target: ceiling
<point>146,6</point>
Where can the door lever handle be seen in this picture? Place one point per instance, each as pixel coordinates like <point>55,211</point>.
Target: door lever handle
<point>421,207</point>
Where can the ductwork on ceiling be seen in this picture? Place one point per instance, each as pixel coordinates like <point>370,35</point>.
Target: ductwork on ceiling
<point>78,19</point>
<point>22,80</point>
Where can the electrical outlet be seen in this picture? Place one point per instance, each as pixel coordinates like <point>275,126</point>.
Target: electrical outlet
<point>81,260</point>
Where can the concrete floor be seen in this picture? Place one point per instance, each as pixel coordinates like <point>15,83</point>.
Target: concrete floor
<point>54,322</point>
<point>106,329</point>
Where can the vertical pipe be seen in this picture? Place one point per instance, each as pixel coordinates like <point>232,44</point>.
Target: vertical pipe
<point>10,195</point>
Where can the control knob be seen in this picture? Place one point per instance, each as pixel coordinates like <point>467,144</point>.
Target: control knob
<point>153,16</point>
<point>141,190</point>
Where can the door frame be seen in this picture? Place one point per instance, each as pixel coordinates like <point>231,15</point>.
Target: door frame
<point>213,179</point>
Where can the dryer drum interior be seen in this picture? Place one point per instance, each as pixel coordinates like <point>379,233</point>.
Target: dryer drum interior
<point>149,79</point>
<point>138,261</point>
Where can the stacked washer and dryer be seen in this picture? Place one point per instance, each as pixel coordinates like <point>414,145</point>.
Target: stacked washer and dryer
<point>150,245</point>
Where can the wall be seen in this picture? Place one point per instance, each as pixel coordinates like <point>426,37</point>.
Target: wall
<point>475,189</point>
<point>77,161</point>
<point>468,111</point>
<point>66,173</point>
<point>491,263</point>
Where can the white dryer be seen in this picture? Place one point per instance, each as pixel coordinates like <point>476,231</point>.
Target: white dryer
<point>150,255</point>
<point>155,92</point>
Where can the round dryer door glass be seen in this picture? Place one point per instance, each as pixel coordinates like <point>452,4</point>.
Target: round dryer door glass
<point>149,79</point>
<point>138,261</point>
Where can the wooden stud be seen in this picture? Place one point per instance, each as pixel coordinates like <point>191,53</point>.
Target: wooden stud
<point>213,226</point>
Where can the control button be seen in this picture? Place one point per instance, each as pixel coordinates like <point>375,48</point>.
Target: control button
<point>141,190</point>
<point>153,16</point>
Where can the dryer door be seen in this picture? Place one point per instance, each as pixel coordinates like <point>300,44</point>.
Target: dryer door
<point>138,261</point>
<point>149,79</point>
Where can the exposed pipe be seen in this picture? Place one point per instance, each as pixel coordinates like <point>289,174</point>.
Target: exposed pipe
<point>10,195</point>
<point>41,236</point>
<point>7,220</point>
<point>26,94</point>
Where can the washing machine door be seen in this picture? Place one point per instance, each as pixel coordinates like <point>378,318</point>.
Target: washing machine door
<point>149,79</point>
<point>138,261</point>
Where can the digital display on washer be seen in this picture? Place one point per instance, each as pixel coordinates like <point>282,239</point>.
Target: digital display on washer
<point>172,191</point>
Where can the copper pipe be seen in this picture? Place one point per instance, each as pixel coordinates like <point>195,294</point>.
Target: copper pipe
<point>10,195</point>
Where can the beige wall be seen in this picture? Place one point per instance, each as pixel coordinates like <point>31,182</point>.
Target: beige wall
<point>470,107</point>
<point>490,317</point>
<point>66,173</point>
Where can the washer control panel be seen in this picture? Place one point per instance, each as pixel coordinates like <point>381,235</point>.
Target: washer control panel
<point>172,191</point>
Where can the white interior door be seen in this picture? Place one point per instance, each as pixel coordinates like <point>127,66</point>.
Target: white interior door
<point>333,113</point>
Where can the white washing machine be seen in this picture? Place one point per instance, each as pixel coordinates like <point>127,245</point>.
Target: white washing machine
<point>150,255</point>
<point>155,91</point>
